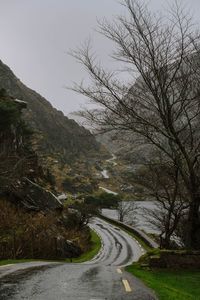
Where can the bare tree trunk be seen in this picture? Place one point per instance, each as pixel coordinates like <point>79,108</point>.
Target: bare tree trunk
<point>165,242</point>
<point>55,247</point>
<point>193,226</point>
<point>14,245</point>
<point>121,218</point>
<point>32,244</point>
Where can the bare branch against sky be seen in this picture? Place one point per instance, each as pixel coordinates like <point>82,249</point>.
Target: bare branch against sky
<point>36,36</point>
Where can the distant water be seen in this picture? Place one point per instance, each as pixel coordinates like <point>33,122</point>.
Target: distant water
<point>138,215</point>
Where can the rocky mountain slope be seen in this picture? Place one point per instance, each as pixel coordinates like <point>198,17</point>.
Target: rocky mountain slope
<point>56,135</point>
<point>32,219</point>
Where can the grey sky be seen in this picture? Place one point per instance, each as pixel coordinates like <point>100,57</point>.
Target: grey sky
<point>36,35</point>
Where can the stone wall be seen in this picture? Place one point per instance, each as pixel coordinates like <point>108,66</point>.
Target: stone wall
<point>176,260</point>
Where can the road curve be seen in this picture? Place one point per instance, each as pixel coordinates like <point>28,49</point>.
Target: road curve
<point>103,278</point>
<point>118,248</point>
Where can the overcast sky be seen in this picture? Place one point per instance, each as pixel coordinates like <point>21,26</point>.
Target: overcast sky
<point>36,35</point>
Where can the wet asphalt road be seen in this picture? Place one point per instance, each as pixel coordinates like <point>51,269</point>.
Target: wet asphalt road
<point>100,279</point>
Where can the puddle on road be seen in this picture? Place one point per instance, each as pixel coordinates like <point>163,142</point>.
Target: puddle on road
<point>92,272</point>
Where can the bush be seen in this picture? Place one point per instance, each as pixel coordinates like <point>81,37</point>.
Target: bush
<point>103,200</point>
<point>38,235</point>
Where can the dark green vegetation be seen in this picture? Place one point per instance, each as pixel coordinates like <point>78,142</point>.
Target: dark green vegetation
<point>170,284</point>
<point>9,114</point>
<point>103,200</point>
<point>18,159</point>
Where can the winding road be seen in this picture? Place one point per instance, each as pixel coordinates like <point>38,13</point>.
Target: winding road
<point>99,279</point>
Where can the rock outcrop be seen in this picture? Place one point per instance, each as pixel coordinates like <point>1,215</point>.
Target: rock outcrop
<point>34,197</point>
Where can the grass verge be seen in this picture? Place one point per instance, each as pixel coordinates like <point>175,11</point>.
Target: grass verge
<point>14,261</point>
<point>170,284</point>
<point>25,260</point>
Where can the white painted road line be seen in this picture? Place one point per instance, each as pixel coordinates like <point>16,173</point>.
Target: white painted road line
<point>4,266</point>
<point>119,271</point>
<point>97,299</point>
<point>126,286</point>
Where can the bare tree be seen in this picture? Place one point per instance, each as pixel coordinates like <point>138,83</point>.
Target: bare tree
<point>162,106</point>
<point>126,212</point>
<point>163,183</point>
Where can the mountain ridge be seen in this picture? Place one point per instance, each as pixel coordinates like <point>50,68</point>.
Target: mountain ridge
<point>57,135</point>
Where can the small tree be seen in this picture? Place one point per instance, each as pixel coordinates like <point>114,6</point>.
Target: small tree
<point>103,200</point>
